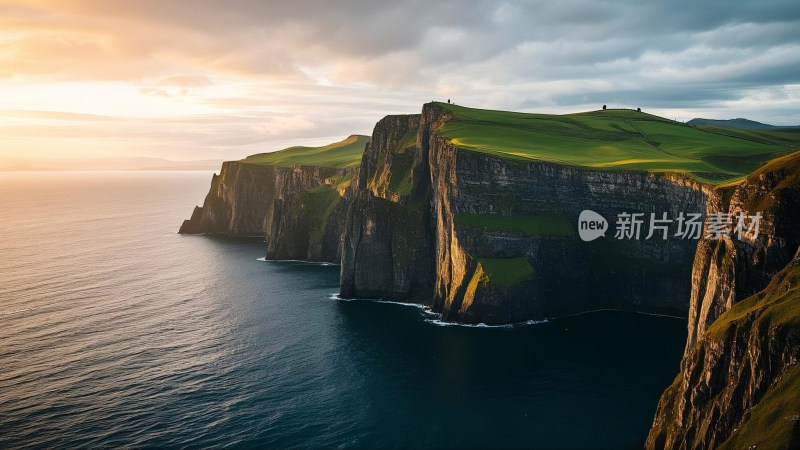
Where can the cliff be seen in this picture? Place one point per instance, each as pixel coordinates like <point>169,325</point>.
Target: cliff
<point>508,249</point>
<point>237,204</point>
<point>482,238</point>
<point>308,221</point>
<point>739,383</point>
<point>474,213</point>
<point>726,271</point>
<point>299,209</point>
<point>388,242</point>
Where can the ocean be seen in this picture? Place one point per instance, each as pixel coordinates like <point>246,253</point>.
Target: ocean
<point>116,331</point>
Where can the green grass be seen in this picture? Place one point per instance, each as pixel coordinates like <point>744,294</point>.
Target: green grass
<point>314,207</point>
<point>400,177</point>
<point>529,225</point>
<point>614,139</point>
<point>777,309</point>
<point>789,136</point>
<point>776,305</point>
<point>319,199</point>
<point>339,155</point>
<point>402,163</point>
<point>342,181</point>
<point>789,169</point>
<point>771,423</point>
<point>506,272</point>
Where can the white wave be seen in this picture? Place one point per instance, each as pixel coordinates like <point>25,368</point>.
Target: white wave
<point>376,300</point>
<point>337,298</point>
<point>315,263</point>
<point>435,318</point>
<point>441,323</point>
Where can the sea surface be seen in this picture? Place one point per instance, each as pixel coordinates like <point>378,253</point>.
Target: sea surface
<point>116,331</point>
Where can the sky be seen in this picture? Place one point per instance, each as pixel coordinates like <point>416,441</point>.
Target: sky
<point>201,79</point>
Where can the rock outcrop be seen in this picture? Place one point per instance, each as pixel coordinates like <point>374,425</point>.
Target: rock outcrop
<point>238,203</point>
<point>300,210</point>
<point>739,383</point>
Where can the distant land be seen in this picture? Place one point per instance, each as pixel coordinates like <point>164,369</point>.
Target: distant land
<point>106,164</point>
<point>737,124</point>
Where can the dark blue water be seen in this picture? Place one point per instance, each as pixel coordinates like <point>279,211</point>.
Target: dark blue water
<point>115,331</point>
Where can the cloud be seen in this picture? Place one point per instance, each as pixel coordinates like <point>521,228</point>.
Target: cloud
<point>257,74</point>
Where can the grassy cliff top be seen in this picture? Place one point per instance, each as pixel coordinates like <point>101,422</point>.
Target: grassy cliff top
<point>346,153</point>
<point>619,139</point>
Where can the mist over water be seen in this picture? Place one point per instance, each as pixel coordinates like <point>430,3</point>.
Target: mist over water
<point>116,331</point>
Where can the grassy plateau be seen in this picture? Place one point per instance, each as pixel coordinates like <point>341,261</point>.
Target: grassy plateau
<point>339,155</point>
<point>618,139</point>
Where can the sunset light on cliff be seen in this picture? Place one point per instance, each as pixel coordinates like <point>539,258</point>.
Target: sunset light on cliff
<point>352,224</point>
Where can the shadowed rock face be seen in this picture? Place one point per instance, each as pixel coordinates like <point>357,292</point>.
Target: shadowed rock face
<point>388,243</point>
<point>238,202</point>
<point>740,351</point>
<point>299,210</point>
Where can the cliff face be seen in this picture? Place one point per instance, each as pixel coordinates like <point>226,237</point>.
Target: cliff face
<point>309,213</point>
<point>728,270</point>
<point>238,202</point>
<point>739,383</point>
<point>496,216</point>
<point>488,239</point>
<point>388,244</point>
<point>300,210</point>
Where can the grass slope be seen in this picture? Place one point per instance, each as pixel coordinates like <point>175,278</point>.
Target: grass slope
<point>339,155</point>
<point>505,272</point>
<point>774,422</point>
<point>528,225</point>
<point>616,139</point>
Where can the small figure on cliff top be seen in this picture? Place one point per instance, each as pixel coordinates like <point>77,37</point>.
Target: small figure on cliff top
<point>448,101</point>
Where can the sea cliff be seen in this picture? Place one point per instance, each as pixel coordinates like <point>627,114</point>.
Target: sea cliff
<point>481,238</point>
<point>739,382</point>
<point>300,210</point>
<point>388,241</point>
